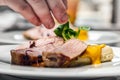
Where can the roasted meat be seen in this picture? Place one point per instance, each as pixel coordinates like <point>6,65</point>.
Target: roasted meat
<point>31,54</point>
<point>56,41</point>
<point>41,32</point>
<point>55,52</point>
<point>60,56</point>
<point>30,57</point>
<point>38,32</point>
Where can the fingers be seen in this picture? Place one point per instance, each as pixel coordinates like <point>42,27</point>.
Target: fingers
<point>22,7</point>
<point>41,9</point>
<point>59,10</point>
<point>2,2</point>
<point>65,3</point>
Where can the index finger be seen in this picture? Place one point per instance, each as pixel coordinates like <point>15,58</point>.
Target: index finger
<point>41,9</point>
<point>65,3</point>
<point>59,10</point>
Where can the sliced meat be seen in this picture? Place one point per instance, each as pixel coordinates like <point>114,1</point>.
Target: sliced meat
<point>26,57</point>
<point>23,46</point>
<point>56,41</point>
<point>38,32</point>
<point>59,56</point>
<point>41,32</point>
<point>32,34</point>
<point>72,48</point>
<point>53,59</point>
<point>29,54</point>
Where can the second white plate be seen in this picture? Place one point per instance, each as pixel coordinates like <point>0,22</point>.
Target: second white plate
<point>98,37</point>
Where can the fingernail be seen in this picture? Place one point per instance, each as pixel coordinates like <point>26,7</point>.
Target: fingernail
<point>36,21</point>
<point>64,18</point>
<point>50,24</point>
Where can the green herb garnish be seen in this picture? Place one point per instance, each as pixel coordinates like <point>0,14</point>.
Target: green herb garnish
<point>67,33</point>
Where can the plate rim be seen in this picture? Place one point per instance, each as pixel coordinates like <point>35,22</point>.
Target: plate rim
<point>20,72</point>
<point>22,42</point>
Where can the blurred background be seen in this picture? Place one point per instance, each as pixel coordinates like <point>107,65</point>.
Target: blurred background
<point>94,11</point>
<point>98,14</point>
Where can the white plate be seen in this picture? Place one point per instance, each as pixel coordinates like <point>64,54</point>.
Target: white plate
<point>94,37</point>
<point>98,37</point>
<point>103,70</point>
<point>14,37</point>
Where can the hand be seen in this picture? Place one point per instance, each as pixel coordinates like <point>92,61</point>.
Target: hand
<point>39,11</point>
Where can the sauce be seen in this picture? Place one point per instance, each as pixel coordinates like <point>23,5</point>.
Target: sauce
<point>83,35</point>
<point>94,52</point>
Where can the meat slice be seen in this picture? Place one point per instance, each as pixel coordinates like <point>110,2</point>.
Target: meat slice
<point>28,57</point>
<point>72,48</point>
<point>41,32</point>
<point>60,56</point>
<point>31,54</point>
<point>38,32</point>
<point>56,41</point>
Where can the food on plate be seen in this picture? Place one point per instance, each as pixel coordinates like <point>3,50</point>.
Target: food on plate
<point>94,54</point>
<point>67,32</point>
<point>107,54</point>
<point>83,35</point>
<point>55,52</point>
<point>27,57</point>
<point>62,55</point>
<point>62,50</point>
<point>29,54</point>
<point>38,32</point>
<point>64,31</point>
